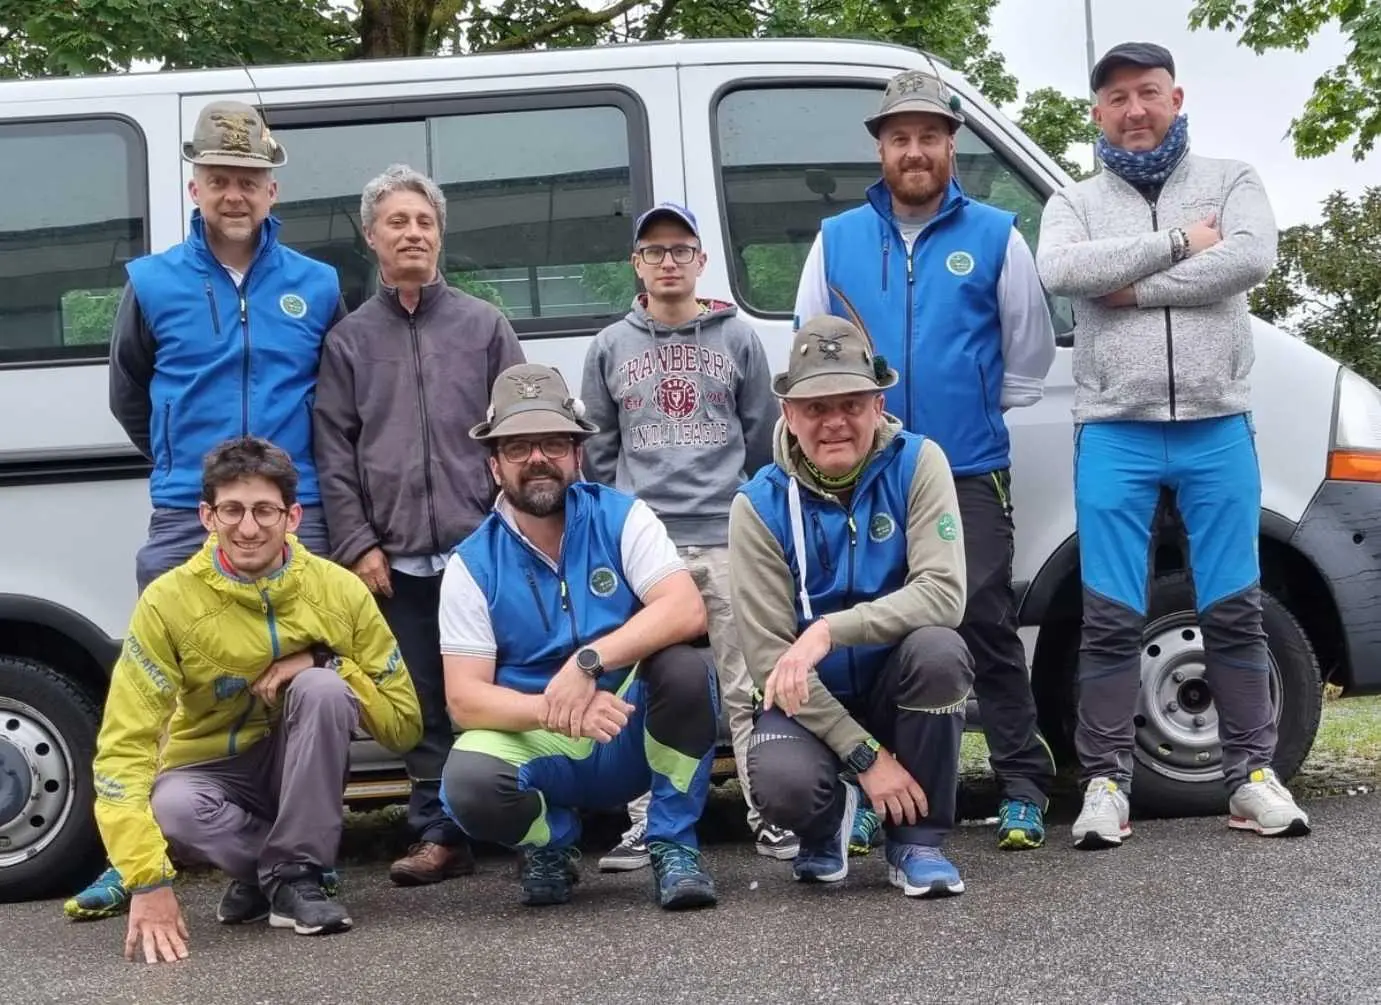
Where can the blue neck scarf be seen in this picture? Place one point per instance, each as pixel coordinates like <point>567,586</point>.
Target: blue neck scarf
<point>1145,168</point>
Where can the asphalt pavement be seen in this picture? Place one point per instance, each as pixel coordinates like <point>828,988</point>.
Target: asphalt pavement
<point>1185,911</point>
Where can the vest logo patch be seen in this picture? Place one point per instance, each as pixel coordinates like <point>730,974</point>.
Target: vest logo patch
<point>960,263</point>
<point>881,527</point>
<point>603,582</point>
<point>947,527</point>
<point>292,305</point>
<point>677,397</point>
<point>227,686</point>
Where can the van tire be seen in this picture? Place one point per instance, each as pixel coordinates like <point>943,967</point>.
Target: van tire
<point>37,704</point>
<point>1297,689</point>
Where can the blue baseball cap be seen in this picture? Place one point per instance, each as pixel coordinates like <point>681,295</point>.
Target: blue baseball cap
<point>666,210</point>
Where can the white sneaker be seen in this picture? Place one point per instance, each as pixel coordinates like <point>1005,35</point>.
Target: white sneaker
<point>1264,805</point>
<point>1102,822</point>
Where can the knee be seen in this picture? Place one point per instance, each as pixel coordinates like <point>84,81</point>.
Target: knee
<point>786,783</point>
<point>1110,628</point>
<point>1233,623</point>
<point>181,811</point>
<point>936,669</point>
<point>680,683</point>
<point>320,689</point>
<point>476,791</point>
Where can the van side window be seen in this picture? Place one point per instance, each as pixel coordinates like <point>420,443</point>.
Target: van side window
<point>539,200</point>
<point>791,155</point>
<point>66,232</point>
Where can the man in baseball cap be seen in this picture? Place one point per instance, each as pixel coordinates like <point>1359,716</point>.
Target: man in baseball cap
<point>846,559</point>
<point>566,619</point>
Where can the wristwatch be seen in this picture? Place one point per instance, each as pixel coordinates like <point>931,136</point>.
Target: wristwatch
<point>587,661</point>
<point>861,758</point>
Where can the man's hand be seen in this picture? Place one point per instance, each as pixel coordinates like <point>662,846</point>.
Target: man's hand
<point>893,792</point>
<point>1203,234</point>
<point>568,695</point>
<point>605,716</point>
<point>1125,297</point>
<point>279,675</point>
<point>787,685</point>
<point>373,569</point>
<point>155,920</point>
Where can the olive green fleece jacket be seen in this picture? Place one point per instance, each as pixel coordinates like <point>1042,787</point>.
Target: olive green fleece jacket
<point>763,588</point>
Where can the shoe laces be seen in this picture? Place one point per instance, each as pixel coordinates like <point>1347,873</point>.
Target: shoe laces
<point>669,856</point>
<point>1271,784</point>
<point>866,824</point>
<point>1019,813</point>
<point>918,853</point>
<point>548,863</point>
<point>636,835</point>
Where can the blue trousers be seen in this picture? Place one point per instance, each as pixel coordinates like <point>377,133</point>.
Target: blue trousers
<point>1210,466</point>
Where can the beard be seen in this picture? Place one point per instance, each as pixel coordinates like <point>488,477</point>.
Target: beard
<point>916,188</point>
<point>540,500</point>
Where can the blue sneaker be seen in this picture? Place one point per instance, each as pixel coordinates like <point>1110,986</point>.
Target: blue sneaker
<point>106,897</point>
<point>548,875</point>
<point>828,861</point>
<point>1020,824</point>
<point>867,830</point>
<point>922,871</point>
<point>679,877</point>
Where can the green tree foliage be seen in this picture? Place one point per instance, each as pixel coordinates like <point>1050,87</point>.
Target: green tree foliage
<point>1346,101</point>
<point>1056,122</point>
<point>1326,286</point>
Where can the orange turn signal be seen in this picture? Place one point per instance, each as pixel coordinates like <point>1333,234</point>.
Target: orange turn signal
<point>1354,466</point>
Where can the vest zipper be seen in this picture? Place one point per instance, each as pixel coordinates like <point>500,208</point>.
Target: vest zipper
<point>426,435</point>
<point>244,331</point>
<point>886,246</point>
<point>849,593</point>
<point>906,361</point>
<point>569,609</point>
<point>1169,339</point>
<point>537,599</point>
<point>215,317</point>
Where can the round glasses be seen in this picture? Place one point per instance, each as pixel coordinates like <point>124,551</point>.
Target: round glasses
<point>518,451</point>
<point>265,514</point>
<point>681,254</point>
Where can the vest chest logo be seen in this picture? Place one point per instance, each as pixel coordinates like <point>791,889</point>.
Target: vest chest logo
<point>603,582</point>
<point>292,305</point>
<point>947,527</point>
<point>227,686</point>
<point>881,527</point>
<point>960,263</point>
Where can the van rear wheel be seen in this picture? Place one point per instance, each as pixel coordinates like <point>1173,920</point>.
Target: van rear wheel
<point>1178,760</point>
<point>48,838</point>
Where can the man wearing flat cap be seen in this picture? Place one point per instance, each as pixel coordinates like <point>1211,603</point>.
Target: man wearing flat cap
<point>846,564</point>
<point>566,618</point>
<point>1159,250</point>
<point>215,338</point>
<point>947,288</point>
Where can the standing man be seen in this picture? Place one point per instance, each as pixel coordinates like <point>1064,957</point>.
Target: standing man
<point>681,391</point>
<point>217,336</point>
<point>1160,249</point>
<point>847,568</point>
<point>564,620</point>
<point>947,288</point>
<point>403,378</point>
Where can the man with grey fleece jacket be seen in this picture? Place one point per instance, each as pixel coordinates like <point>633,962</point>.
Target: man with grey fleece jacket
<point>1160,249</point>
<point>680,389</point>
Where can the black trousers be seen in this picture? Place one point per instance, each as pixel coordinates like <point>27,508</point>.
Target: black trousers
<point>412,615</point>
<point>1020,758</point>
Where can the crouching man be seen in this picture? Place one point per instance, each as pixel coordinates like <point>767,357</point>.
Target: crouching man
<point>846,564</point>
<point>259,659</point>
<point>565,619</point>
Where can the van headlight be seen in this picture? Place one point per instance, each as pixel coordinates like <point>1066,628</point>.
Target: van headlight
<point>1355,451</point>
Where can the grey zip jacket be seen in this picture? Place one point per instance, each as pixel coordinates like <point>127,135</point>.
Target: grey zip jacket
<point>395,399</point>
<point>1185,351</point>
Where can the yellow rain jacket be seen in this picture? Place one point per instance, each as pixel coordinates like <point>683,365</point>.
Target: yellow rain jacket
<point>199,637</point>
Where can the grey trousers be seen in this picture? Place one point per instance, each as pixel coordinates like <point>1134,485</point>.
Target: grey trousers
<point>278,803</point>
<point>175,535</point>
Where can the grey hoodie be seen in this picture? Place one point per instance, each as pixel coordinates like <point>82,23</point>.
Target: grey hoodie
<point>686,415</point>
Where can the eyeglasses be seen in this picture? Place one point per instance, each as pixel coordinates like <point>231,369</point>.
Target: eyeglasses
<point>265,514</point>
<point>681,254</point>
<point>553,447</point>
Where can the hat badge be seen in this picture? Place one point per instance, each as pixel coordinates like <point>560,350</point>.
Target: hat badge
<point>528,387</point>
<point>829,347</point>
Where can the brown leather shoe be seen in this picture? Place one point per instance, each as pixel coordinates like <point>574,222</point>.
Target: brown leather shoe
<point>427,862</point>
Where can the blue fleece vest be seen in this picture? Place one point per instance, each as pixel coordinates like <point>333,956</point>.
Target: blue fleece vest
<point>226,366</point>
<point>541,615</point>
<point>934,315</point>
<point>852,556</point>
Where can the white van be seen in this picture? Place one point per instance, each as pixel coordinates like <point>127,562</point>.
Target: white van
<point>547,157</point>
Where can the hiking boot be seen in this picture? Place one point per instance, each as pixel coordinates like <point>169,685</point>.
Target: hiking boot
<point>297,901</point>
<point>630,853</point>
<point>1265,806</point>
<point>866,833</point>
<point>681,880</point>
<point>1102,822</point>
<point>921,871</point>
<point>827,861</point>
<point>1020,824</point>
<point>242,904</point>
<point>429,862</point>
<point>776,843</point>
<point>548,875</point>
<point>106,897</point>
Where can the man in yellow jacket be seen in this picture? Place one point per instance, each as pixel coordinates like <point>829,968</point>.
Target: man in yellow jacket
<point>258,659</point>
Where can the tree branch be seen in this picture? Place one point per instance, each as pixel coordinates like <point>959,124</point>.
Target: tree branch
<point>571,19</point>
<point>656,27</point>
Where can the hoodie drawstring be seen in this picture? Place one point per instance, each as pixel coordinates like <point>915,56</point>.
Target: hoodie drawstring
<point>798,537</point>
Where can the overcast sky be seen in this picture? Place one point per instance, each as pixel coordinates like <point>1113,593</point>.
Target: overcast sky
<point>1239,104</point>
